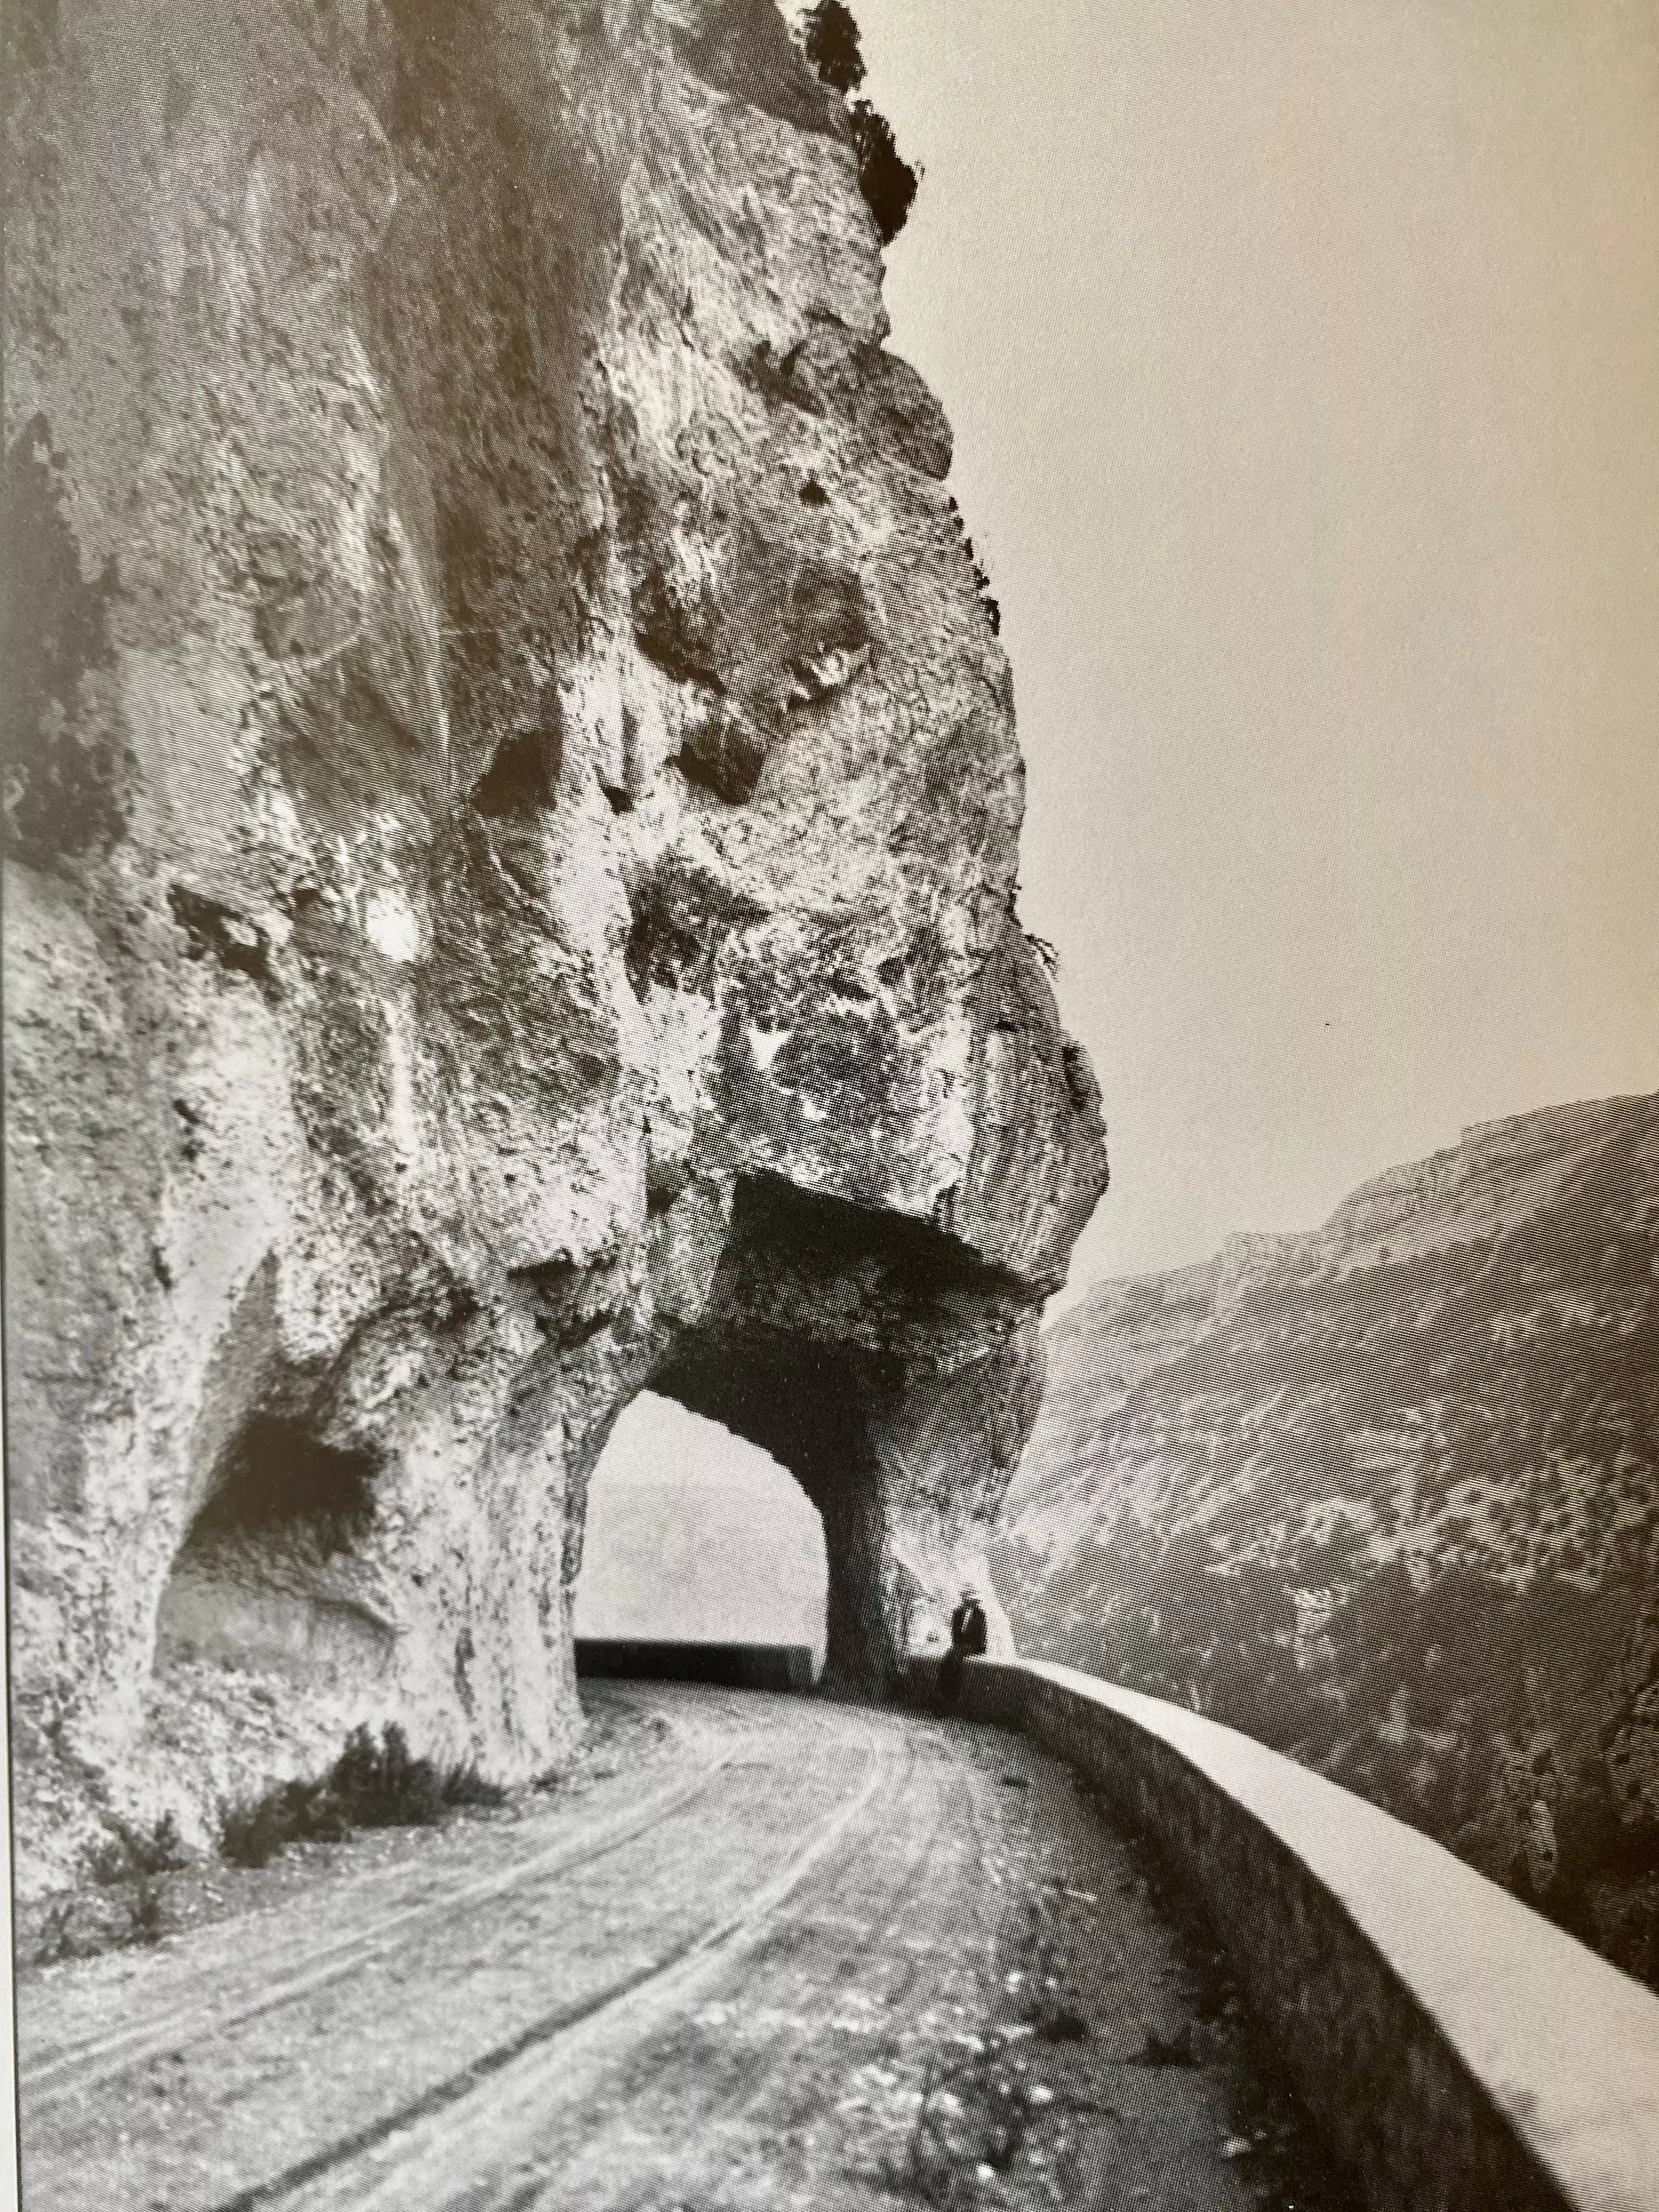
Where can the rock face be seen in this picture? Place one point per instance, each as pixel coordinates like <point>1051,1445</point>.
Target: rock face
<point>512,815</point>
<point>1387,1496</point>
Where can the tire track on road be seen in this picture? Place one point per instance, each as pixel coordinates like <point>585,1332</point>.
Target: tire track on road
<point>70,2071</point>
<point>669,2125</point>
<point>677,2082</point>
<point>517,2070</point>
<point>775,2078</point>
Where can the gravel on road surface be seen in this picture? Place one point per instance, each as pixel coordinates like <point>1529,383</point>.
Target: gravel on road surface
<point>802,1955</point>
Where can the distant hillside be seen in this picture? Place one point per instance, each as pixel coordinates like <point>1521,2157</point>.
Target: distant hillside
<point>691,1533</point>
<point>1385,1495</point>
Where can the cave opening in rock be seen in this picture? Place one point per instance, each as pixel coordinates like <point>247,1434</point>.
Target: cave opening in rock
<point>279,1478</point>
<point>695,1535</point>
<point>265,1573</point>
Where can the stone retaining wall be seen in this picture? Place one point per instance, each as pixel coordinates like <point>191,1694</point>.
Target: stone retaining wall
<point>730,1666</point>
<point>1464,2054</point>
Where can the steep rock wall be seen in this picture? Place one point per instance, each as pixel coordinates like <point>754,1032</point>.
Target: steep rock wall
<point>512,811</point>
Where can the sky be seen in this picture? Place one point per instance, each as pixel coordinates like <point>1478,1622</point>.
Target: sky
<point>1304,362</point>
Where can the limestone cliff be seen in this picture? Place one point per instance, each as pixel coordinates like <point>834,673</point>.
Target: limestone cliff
<point>512,807</point>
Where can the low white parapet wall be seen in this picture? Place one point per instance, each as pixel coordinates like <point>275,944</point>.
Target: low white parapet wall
<point>1461,2053</point>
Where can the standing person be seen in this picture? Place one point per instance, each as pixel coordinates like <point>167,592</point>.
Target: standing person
<point>968,1637</point>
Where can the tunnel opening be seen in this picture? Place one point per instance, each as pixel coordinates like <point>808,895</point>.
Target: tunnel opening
<point>702,1555</point>
<point>893,1368</point>
<point>809,1405</point>
<point>269,1574</point>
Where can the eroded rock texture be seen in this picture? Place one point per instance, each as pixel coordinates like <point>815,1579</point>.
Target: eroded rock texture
<point>1385,1494</point>
<point>512,807</point>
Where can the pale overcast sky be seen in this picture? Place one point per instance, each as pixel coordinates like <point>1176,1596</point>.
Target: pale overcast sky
<point>1303,359</point>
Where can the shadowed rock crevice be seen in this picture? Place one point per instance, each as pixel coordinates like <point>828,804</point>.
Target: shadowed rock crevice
<point>265,1577</point>
<point>67,765</point>
<point>524,777</point>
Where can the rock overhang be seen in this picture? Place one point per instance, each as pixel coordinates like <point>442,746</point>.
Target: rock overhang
<point>512,853</point>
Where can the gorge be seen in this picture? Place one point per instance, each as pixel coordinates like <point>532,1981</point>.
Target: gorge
<point>1385,1496</point>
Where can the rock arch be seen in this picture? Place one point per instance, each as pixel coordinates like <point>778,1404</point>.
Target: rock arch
<point>894,1374</point>
<point>695,1534</point>
<point>548,924</point>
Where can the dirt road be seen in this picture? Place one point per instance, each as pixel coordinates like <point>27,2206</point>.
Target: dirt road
<point>808,1956</point>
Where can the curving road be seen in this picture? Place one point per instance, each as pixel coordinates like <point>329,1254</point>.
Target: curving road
<point>752,1972</point>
